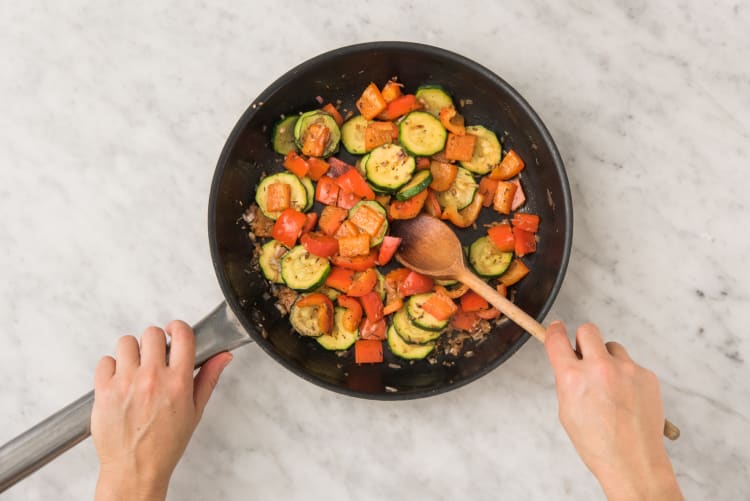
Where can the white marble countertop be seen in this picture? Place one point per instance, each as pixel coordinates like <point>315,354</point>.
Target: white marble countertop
<point>112,116</point>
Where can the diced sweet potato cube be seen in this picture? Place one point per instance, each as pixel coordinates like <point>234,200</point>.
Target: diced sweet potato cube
<point>368,220</point>
<point>279,197</point>
<point>357,245</point>
<point>371,103</point>
<point>377,133</point>
<point>460,148</point>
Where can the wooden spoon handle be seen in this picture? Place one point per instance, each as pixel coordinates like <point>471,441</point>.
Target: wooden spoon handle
<point>528,323</point>
<point>507,308</point>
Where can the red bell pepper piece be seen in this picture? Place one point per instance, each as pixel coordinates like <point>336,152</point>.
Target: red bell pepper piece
<point>464,320</point>
<point>368,351</point>
<point>515,272</point>
<point>440,306</point>
<point>317,168</point>
<point>353,182</point>
<point>372,305</point>
<point>487,188</point>
<point>353,314</point>
<point>363,283</point>
<point>520,197</point>
<point>373,330</point>
<point>488,314</point>
<point>337,167</point>
<point>502,236</point>
<point>296,164</point>
<point>471,301</point>
<point>388,249</point>
<point>331,110</point>
<point>371,103</point>
<point>525,242</point>
<point>432,206</point>
<point>408,209</point>
<point>400,107</point>
<point>319,245</point>
<point>511,165</point>
<point>327,191</point>
<point>415,283</point>
<point>357,263</point>
<point>340,279</point>
<point>347,200</point>
<point>288,227</point>
<point>312,218</point>
<point>325,309</point>
<point>526,222</point>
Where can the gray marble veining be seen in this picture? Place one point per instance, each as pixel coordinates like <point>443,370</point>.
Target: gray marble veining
<point>113,116</point>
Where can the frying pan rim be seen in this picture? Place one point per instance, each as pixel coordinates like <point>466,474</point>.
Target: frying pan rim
<point>524,107</point>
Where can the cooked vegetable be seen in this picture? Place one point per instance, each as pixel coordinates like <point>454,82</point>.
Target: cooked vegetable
<point>389,167</point>
<point>340,338</point>
<point>370,217</point>
<point>288,227</point>
<point>452,121</point>
<point>419,182</point>
<point>373,330</point>
<point>347,200</point>
<point>460,148</point>
<point>410,332</point>
<point>433,99</point>
<point>501,235</point>
<point>511,165</point>
<point>486,151</point>
<point>504,197</point>
<point>471,301</point>
<point>364,282</point>
<point>408,351</point>
<point>303,271</point>
<point>331,218</point>
<point>422,134</point>
<point>526,222</point>
<point>298,194</point>
<point>353,135</point>
<point>422,318</point>
<point>317,134</point>
<point>387,249</point>
<point>340,279</point>
<point>465,217</point>
<point>310,190</point>
<point>312,315</point>
<point>355,245</point>
<point>443,175</point>
<point>399,107</point>
<point>353,182</point>
<point>283,135</point>
<point>391,90</point>
<point>461,193</point>
<point>368,351</point>
<point>487,188</point>
<point>464,320</point>
<point>296,164</point>
<point>353,314</point>
<point>371,103</point>
<point>440,306</point>
<point>373,305</point>
<point>327,191</point>
<point>279,197</point>
<point>520,197</point>
<point>331,110</point>
<point>487,260</point>
<point>408,209</point>
<point>516,271</point>
<point>378,133</point>
<point>357,263</point>
<point>270,260</point>
<point>415,283</point>
<point>319,244</point>
<point>525,242</point>
<point>431,204</point>
<point>317,168</point>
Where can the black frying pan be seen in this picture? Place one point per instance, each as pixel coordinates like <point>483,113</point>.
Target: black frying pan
<point>249,313</point>
<point>343,74</point>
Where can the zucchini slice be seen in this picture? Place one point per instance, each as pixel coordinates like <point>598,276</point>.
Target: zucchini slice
<point>304,319</point>
<point>317,116</point>
<point>303,271</point>
<point>353,135</point>
<point>360,165</point>
<point>410,332</point>
<point>270,260</point>
<point>283,135</point>
<point>340,338</point>
<point>422,134</point>
<point>461,193</point>
<point>419,182</point>
<point>374,240</point>
<point>446,282</point>
<point>421,318</point>
<point>486,150</point>
<point>408,351</point>
<point>330,292</point>
<point>380,286</point>
<point>297,189</point>
<point>487,260</point>
<point>389,167</point>
<point>310,190</point>
<point>433,99</point>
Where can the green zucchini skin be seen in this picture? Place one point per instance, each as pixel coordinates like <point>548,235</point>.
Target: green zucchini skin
<point>419,182</point>
<point>461,193</point>
<point>433,99</point>
<point>270,260</point>
<point>487,260</point>
<point>375,240</point>
<point>421,318</point>
<point>410,332</point>
<point>353,135</point>
<point>340,339</point>
<point>406,350</point>
<point>283,135</point>
<point>310,189</point>
<point>299,194</point>
<point>318,116</point>
<point>487,150</point>
<point>422,134</point>
<point>389,167</point>
<point>303,271</point>
<point>304,319</point>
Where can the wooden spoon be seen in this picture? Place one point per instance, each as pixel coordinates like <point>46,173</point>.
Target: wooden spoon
<point>430,247</point>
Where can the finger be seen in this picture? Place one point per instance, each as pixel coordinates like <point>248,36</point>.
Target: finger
<point>127,355</point>
<point>589,341</point>
<point>182,347</point>
<point>153,347</point>
<point>557,344</point>
<point>207,379</point>
<point>104,371</point>
<point>618,351</point>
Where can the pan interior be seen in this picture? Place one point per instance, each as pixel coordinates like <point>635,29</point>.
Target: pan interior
<point>342,75</point>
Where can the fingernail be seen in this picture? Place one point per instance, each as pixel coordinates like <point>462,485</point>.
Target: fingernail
<point>556,325</point>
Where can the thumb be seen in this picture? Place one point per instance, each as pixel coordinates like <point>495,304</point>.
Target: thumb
<point>207,379</point>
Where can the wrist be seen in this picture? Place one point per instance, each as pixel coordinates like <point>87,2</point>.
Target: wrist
<point>129,486</point>
<point>656,483</point>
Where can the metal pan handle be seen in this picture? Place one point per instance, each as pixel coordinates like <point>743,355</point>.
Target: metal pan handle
<point>219,331</point>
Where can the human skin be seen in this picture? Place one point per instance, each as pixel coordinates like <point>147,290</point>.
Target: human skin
<point>145,410</point>
<point>611,409</point>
